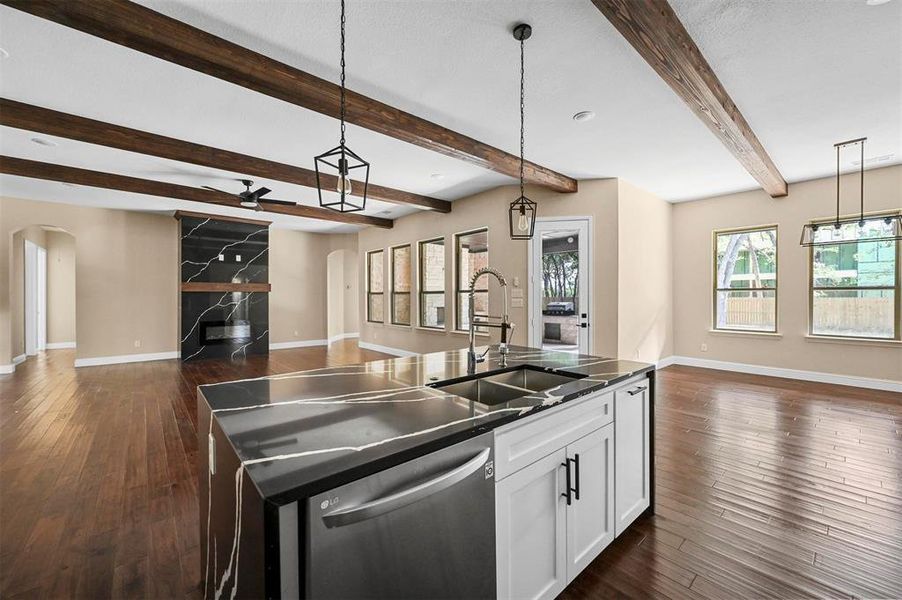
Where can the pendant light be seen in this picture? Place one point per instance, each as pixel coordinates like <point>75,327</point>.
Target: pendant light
<point>522,212</point>
<point>341,160</point>
<point>843,231</point>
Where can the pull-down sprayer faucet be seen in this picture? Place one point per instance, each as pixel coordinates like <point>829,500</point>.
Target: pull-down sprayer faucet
<point>505,325</point>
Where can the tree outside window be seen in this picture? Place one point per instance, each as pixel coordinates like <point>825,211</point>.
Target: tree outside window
<point>745,286</point>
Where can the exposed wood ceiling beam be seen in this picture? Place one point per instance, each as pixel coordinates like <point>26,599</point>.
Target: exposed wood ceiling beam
<point>148,31</point>
<point>41,170</point>
<point>50,122</point>
<point>655,31</point>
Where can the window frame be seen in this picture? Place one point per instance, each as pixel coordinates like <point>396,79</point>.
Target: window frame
<point>775,289</point>
<point>457,291</point>
<point>369,292</point>
<point>393,292</point>
<point>421,292</point>
<point>897,287</point>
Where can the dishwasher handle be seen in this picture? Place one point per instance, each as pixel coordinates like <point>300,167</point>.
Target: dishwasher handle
<point>385,504</point>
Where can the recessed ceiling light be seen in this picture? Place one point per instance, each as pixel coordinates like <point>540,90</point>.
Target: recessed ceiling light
<point>43,142</point>
<point>875,2</point>
<point>438,176</point>
<point>584,115</point>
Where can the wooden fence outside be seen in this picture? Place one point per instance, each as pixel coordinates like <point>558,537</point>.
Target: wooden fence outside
<point>861,315</point>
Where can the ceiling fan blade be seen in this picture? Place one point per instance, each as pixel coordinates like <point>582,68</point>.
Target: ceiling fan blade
<point>207,187</point>
<point>274,201</point>
<point>261,192</point>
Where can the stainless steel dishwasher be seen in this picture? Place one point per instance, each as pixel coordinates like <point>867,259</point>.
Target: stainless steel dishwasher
<point>423,529</point>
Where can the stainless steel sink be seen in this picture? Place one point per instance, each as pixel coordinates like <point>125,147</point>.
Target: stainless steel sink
<point>531,379</point>
<point>497,388</point>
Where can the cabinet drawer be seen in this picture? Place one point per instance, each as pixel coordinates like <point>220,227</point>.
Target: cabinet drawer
<point>522,443</point>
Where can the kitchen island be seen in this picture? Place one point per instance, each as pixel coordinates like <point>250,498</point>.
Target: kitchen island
<point>270,445</point>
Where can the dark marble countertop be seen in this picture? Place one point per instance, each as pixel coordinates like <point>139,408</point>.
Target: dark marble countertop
<point>299,434</point>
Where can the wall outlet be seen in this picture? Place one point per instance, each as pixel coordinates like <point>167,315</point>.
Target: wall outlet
<point>704,347</point>
<point>137,343</point>
<point>295,333</point>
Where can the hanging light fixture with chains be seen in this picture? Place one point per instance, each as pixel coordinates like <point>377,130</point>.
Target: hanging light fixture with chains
<point>522,211</point>
<point>341,160</point>
<point>852,229</point>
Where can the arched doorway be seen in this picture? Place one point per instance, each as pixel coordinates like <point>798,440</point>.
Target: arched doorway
<point>341,295</point>
<point>42,291</point>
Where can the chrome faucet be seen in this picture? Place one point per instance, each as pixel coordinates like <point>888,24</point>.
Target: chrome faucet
<point>505,325</point>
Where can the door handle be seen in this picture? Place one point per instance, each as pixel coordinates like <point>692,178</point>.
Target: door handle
<point>385,504</point>
<point>576,464</point>
<point>572,492</point>
<point>637,390</point>
<point>567,494</point>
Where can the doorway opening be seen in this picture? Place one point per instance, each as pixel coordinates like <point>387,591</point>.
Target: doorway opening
<point>560,285</point>
<point>42,294</point>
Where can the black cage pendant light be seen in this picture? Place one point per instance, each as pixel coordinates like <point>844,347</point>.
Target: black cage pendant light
<point>852,229</point>
<point>334,168</point>
<point>522,211</point>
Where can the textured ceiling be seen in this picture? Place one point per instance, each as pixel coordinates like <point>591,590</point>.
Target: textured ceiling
<point>805,74</point>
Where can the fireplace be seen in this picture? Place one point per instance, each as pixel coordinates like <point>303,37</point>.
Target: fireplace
<point>225,332</point>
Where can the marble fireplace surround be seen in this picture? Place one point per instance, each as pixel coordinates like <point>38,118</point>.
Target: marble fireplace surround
<point>224,305</point>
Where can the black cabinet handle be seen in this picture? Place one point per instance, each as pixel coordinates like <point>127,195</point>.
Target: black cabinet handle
<point>636,391</point>
<point>576,463</point>
<point>567,493</point>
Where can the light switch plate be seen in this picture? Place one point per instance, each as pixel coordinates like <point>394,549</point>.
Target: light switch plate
<point>517,303</point>
<point>517,293</point>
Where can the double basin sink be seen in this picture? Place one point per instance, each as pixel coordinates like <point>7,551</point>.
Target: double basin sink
<point>500,387</point>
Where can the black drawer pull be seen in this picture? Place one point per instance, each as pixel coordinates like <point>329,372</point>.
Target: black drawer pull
<point>637,390</point>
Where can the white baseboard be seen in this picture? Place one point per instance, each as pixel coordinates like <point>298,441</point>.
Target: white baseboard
<point>816,376</point>
<point>124,358</point>
<point>11,368</point>
<point>385,349</point>
<point>343,336</point>
<point>60,345</point>
<point>297,344</point>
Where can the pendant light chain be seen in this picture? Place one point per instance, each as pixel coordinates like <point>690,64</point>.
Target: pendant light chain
<point>342,102</point>
<point>522,111</point>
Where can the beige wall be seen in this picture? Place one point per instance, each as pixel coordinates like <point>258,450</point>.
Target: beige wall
<point>60,287</point>
<point>126,279</point>
<point>298,267</point>
<point>600,199</point>
<point>693,223</point>
<point>645,272</point>
<point>342,292</point>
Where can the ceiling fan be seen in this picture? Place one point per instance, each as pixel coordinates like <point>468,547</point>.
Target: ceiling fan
<point>251,199</point>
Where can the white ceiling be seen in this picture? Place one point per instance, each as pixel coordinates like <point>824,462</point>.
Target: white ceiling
<point>805,73</point>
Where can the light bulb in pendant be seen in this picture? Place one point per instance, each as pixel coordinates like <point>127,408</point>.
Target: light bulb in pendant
<point>523,221</point>
<point>344,181</point>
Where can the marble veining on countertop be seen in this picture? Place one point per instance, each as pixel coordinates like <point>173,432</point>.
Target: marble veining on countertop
<point>298,434</point>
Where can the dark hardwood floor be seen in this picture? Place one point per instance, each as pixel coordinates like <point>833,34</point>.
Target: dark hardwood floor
<point>766,487</point>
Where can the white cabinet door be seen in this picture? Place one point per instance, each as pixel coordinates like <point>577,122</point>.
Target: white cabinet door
<point>531,542</point>
<point>631,460</point>
<point>590,518</point>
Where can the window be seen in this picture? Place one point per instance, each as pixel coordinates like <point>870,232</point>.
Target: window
<point>472,253</point>
<point>400,285</point>
<point>374,287</point>
<point>432,283</point>
<point>855,285</point>
<point>745,279</point>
